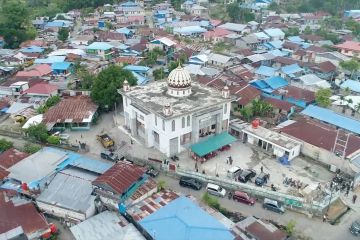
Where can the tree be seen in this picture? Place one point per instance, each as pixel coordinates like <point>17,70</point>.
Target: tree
<point>247,113</point>
<point>238,14</point>
<point>293,31</point>
<point>105,85</point>
<point>38,132</point>
<point>63,34</point>
<point>274,7</point>
<point>261,108</point>
<point>55,140</point>
<point>5,144</point>
<point>290,227</point>
<point>161,185</point>
<point>352,66</point>
<point>108,25</point>
<point>307,31</point>
<point>322,97</point>
<point>159,74</point>
<point>52,101</point>
<point>211,201</point>
<point>31,148</point>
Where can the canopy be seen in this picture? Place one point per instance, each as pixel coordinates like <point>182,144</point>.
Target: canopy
<point>212,144</point>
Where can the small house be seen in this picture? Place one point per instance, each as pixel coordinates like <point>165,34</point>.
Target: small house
<point>100,49</point>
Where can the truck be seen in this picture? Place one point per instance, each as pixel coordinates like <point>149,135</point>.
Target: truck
<point>106,141</point>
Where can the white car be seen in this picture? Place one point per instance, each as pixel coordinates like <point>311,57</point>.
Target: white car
<point>216,190</point>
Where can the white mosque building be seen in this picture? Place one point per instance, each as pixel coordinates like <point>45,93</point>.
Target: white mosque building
<point>174,114</point>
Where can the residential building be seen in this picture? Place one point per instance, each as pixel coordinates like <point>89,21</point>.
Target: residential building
<point>100,49</point>
<point>349,48</point>
<point>219,60</point>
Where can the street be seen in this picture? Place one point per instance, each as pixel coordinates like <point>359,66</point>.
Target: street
<point>312,228</point>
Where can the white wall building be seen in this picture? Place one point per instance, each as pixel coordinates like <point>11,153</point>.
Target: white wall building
<point>172,115</point>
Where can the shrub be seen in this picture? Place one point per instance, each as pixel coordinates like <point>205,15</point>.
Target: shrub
<point>53,140</point>
<point>31,148</point>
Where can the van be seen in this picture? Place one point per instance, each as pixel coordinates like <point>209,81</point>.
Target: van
<point>233,172</point>
<point>244,198</point>
<point>216,190</point>
<point>273,205</point>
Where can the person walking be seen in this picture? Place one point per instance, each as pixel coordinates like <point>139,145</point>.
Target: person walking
<point>354,198</point>
<point>230,160</point>
<point>324,218</point>
<point>262,169</point>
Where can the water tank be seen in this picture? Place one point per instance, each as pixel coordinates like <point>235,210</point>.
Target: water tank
<point>255,123</point>
<point>24,187</point>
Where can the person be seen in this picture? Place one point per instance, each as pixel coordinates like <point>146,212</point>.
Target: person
<point>354,198</point>
<point>230,160</point>
<point>262,169</point>
<point>227,160</point>
<point>324,218</point>
<point>131,142</point>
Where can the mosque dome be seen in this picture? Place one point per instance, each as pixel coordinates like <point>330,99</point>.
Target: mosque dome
<point>179,82</point>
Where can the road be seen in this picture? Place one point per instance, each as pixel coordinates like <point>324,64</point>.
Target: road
<point>309,227</point>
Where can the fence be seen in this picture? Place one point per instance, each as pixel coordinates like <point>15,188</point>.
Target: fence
<point>292,202</point>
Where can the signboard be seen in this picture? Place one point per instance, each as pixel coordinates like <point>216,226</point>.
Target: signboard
<point>293,202</point>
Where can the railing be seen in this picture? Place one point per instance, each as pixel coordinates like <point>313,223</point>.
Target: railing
<point>292,202</point>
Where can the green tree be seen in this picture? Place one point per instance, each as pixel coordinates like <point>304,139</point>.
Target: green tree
<point>161,185</point>
<point>354,26</point>
<point>38,132</point>
<point>238,14</point>
<point>211,201</point>
<point>247,113</point>
<point>52,101</point>
<point>307,31</point>
<point>274,7</point>
<point>108,25</point>
<point>322,97</point>
<point>293,31</point>
<point>31,148</point>
<point>63,34</point>
<point>159,74</point>
<point>290,227</point>
<point>261,108</point>
<point>351,66</point>
<point>55,140</point>
<point>105,85</point>
<point>5,144</point>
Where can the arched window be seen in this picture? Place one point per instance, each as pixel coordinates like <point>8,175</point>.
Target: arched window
<point>173,125</point>
<point>183,122</point>
<point>163,125</point>
<point>188,121</point>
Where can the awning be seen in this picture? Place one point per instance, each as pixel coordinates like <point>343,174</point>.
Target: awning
<point>212,144</point>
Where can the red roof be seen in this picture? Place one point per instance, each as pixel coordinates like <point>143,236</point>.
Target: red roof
<point>10,157</point>
<point>42,88</point>
<point>3,173</point>
<point>349,45</point>
<point>71,109</point>
<point>298,93</point>
<point>319,134</point>
<point>215,22</point>
<point>24,215</point>
<point>279,104</point>
<point>37,71</point>
<point>247,94</point>
<point>119,177</point>
<point>217,32</point>
<point>259,231</point>
<point>284,60</point>
<point>129,60</point>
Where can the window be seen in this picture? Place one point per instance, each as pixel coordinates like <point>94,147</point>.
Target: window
<point>155,120</point>
<point>225,108</point>
<point>173,125</point>
<point>183,122</point>
<point>188,121</point>
<point>163,125</point>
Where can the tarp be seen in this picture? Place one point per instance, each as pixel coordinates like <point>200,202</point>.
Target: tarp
<point>212,144</point>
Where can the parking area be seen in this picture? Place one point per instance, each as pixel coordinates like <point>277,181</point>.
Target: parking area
<point>248,157</point>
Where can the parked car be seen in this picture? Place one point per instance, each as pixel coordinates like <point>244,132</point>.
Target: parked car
<point>233,172</point>
<point>152,172</point>
<point>216,190</point>
<point>246,175</point>
<point>355,228</point>
<point>243,197</point>
<point>108,155</point>
<point>190,183</point>
<point>273,205</point>
<point>262,179</point>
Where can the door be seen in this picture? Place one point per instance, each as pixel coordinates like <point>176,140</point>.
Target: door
<point>174,146</point>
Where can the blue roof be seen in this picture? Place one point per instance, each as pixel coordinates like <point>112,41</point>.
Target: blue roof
<point>278,53</point>
<point>276,82</point>
<point>123,30</point>
<point>60,65</point>
<point>296,39</point>
<point>99,46</point>
<point>129,4</point>
<point>261,35</point>
<point>333,118</point>
<point>141,80</point>
<point>32,49</point>
<point>55,24</point>
<point>182,219</point>
<point>266,71</point>
<point>291,69</point>
<point>352,85</point>
<point>137,68</point>
<point>50,60</point>
<point>276,44</point>
<point>274,32</point>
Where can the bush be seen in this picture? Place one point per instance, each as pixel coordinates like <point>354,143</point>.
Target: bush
<point>53,140</point>
<point>31,148</point>
<point>38,132</point>
<point>211,201</point>
<point>290,227</point>
<point>5,144</point>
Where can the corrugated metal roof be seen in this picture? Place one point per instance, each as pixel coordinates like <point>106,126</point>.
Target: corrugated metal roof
<point>333,118</point>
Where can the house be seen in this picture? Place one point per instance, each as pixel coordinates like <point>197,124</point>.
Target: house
<point>275,34</point>
<point>8,159</point>
<point>270,84</point>
<point>118,183</point>
<point>198,10</point>
<point>62,68</point>
<point>102,50</point>
<point>20,219</point>
<point>159,215</point>
<point>38,23</point>
<point>318,142</point>
<point>198,59</point>
<point>216,35</point>
<point>252,228</point>
<point>279,106</point>
<point>294,95</point>
<point>40,70</point>
<point>265,72</point>
<point>75,113</point>
<point>112,225</point>
<point>244,96</point>
<point>325,70</point>
<point>189,31</point>
<point>219,60</point>
<point>354,86</point>
<point>235,27</point>
<point>141,73</point>
<point>163,43</point>
<point>349,48</point>
<point>50,60</point>
<point>42,90</point>
<point>333,57</point>
<point>262,37</point>
<point>250,41</point>
<point>313,82</point>
<point>291,71</point>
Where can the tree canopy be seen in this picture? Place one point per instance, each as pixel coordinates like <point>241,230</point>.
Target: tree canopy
<point>105,85</point>
<point>63,34</point>
<point>237,14</point>
<point>352,66</point>
<point>322,97</point>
